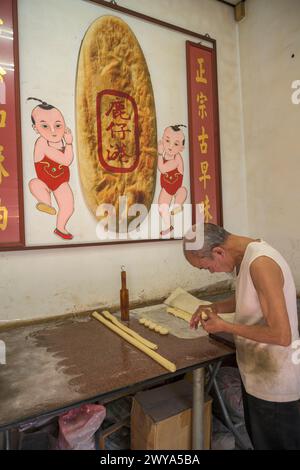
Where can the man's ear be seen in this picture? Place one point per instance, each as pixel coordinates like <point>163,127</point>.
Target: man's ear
<point>218,250</point>
<point>34,128</point>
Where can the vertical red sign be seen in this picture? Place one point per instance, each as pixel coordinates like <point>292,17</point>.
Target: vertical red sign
<point>204,143</point>
<point>11,197</point>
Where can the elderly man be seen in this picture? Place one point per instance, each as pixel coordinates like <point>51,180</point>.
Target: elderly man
<point>265,327</point>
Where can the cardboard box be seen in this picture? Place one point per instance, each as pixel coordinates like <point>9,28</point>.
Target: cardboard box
<point>161,419</point>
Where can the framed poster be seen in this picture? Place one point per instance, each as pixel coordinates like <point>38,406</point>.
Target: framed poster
<point>205,170</point>
<point>105,127</point>
<point>11,197</point>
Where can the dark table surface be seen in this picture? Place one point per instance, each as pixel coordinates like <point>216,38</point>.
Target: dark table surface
<point>57,365</point>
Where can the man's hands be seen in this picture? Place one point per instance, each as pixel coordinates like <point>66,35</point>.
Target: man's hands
<point>202,314</point>
<point>209,319</point>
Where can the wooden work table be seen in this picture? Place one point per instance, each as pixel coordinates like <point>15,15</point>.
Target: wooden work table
<point>54,366</point>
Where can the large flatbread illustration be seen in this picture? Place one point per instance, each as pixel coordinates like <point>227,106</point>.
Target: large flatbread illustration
<point>115,118</point>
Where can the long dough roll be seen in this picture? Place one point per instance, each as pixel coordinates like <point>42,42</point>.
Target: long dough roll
<point>177,312</point>
<point>147,343</point>
<point>184,315</point>
<point>154,355</point>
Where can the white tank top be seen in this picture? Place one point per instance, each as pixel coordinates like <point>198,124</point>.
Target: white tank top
<point>268,371</point>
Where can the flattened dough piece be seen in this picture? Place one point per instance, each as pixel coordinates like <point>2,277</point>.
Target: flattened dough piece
<point>183,300</point>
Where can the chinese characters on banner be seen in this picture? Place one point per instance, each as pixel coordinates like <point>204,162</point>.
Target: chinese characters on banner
<point>204,132</point>
<point>11,210</point>
<point>118,135</point>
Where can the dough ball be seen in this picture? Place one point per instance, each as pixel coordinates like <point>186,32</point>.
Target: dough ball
<point>164,331</point>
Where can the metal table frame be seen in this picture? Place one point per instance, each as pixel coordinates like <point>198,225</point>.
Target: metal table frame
<point>199,394</point>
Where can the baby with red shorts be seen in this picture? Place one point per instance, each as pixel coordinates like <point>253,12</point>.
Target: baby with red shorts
<point>170,165</point>
<point>53,154</point>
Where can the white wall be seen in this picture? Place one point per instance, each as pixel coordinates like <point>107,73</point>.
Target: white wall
<point>50,282</point>
<point>268,37</point>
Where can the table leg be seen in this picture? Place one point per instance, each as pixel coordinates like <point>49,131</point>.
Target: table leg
<point>7,440</point>
<point>198,408</point>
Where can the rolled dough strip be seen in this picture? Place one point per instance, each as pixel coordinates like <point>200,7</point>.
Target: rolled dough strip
<point>180,314</point>
<point>142,321</point>
<point>154,355</point>
<point>184,315</point>
<point>110,317</point>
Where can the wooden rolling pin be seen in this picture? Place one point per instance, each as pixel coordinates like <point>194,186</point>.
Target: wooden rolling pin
<point>124,296</point>
<point>154,355</point>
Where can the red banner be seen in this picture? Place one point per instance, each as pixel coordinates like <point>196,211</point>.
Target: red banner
<point>204,143</point>
<point>11,206</point>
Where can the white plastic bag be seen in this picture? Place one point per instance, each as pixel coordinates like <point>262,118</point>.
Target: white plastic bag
<point>78,426</point>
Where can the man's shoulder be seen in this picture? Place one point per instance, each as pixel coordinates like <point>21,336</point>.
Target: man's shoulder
<point>260,253</point>
<point>262,247</point>
<point>266,258</point>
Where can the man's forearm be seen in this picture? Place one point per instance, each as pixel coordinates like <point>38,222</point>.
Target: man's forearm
<point>259,333</point>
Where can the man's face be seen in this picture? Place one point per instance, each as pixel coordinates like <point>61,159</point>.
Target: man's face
<point>173,141</point>
<point>219,262</point>
<point>49,123</point>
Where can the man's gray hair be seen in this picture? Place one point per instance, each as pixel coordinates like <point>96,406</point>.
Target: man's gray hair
<point>214,235</point>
